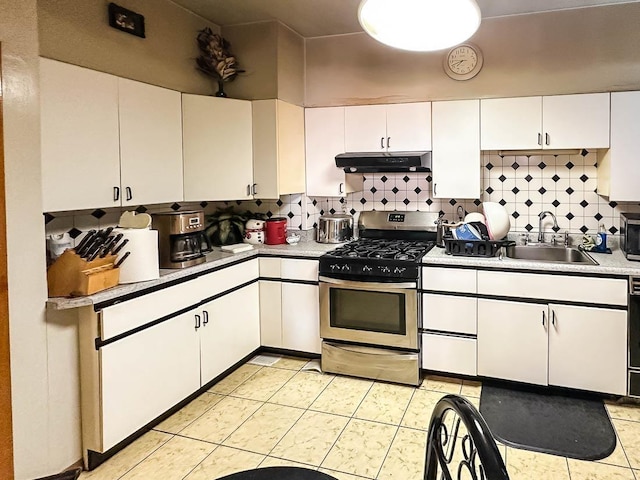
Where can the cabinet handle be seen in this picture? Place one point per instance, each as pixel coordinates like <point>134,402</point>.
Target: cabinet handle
<point>434,189</point>
<point>248,190</point>
<point>341,188</point>
<point>547,139</point>
<point>255,189</point>
<point>129,194</point>
<point>553,318</point>
<point>382,142</point>
<point>388,142</point>
<point>539,139</point>
<point>544,318</point>
<point>116,194</point>
<point>205,316</point>
<point>197,322</point>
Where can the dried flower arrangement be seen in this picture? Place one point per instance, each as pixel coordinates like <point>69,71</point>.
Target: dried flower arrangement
<point>215,58</point>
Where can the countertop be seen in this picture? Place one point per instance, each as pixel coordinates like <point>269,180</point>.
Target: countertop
<point>608,264</point>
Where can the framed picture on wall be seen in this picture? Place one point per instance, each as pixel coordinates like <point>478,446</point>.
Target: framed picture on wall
<point>126,20</point>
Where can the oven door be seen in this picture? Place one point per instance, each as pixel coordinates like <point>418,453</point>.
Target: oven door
<point>384,314</point>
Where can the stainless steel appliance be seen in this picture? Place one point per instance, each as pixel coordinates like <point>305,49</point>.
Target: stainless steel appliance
<point>384,162</point>
<point>630,235</point>
<point>633,337</point>
<point>181,238</point>
<point>337,228</point>
<point>370,315</point>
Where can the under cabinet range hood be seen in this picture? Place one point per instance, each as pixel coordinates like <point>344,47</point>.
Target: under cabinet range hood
<point>372,162</point>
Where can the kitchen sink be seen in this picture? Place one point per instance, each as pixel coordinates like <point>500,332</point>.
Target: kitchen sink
<point>548,253</point>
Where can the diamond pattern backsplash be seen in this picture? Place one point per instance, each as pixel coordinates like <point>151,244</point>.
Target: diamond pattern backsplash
<point>526,186</point>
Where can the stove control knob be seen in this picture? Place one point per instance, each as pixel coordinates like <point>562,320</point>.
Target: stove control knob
<point>335,267</point>
<point>366,268</point>
<point>346,268</point>
<point>385,269</point>
<point>399,270</point>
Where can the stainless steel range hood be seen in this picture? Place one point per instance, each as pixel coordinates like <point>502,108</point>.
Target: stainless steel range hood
<point>369,162</point>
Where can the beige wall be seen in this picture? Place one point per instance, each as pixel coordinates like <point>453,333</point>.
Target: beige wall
<point>584,50</point>
<point>25,242</point>
<point>79,33</point>
<point>290,66</point>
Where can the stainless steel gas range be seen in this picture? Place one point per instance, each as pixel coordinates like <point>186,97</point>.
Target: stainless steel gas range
<point>370,316</point>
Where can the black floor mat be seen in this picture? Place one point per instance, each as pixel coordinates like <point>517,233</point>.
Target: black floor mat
<point>542,421</point>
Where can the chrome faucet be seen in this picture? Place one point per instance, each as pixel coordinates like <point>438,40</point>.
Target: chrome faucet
<point>541,216</point>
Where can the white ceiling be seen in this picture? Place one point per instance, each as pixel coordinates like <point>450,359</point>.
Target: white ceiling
<point>315,18</point>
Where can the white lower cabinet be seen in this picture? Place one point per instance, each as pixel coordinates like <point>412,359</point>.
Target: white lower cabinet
<point>300,317</point>
<point>271,313</point>
<point>447,353</point>
<point>562,345</point>
<point>145,374</point>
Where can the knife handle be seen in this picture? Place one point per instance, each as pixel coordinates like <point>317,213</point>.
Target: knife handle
<point>124,242</point>
<point>122,259</point>
<point>85,240</point>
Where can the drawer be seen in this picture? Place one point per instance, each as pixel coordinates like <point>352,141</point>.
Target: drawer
<point>270,267</point>
<point>449,279</point>
<point>449,354</point>
<point>449,314</point>
<point>609,291</point>
<point>294,269</point>
<point>225,279</point>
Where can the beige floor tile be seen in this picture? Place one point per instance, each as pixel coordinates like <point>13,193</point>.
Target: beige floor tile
<point>442,384</point>
<point>580,470</point>
<point>225,461</point>
<point>361,448</point>
<point>341,475</point>
<point>263,384</point>
<point>342,396</point>
<point>281,462</point>
<point>418,414</point>
<point>311,438</point>
<point>220,421</point>
<point>291,363</point>
<point>385,403</point>
<point>471,388</point>
<point>235,379</point>
<point>624,411</point>
<point>405,460</point>
<point>618,457</point>
<point>629,435</point>
<point>174,459</point>
<point>264,429</point>
<point>302,389</point>
<point>188,414</point>
<point>128,458</point>
<point>525,465</point>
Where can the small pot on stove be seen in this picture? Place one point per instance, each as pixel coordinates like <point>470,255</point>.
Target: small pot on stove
<point>337,228</point>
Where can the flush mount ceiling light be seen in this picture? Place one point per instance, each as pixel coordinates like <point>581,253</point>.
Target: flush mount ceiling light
<point>419,25</point>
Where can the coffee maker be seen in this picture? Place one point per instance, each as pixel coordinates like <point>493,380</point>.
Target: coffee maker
<point>182,241</point>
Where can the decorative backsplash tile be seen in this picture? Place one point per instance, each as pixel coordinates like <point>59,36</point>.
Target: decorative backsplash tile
<point>525,185</point>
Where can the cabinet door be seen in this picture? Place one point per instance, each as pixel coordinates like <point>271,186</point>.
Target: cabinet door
<point>576,121</point>
<point>324,139</point>
<point>511,123</point>
<point>79,137</point>
<point>512,341</point>
<point>217,148</point>
<point>456,149</point>
<point>145,374</point>
<point>300,317</point>
<point>230,330</point>
<point>150,143</point>
<point>588,348</point>
<point>409,127</point>
<point>291,168</point>
<point>270,314</point>
<point>365,128</point>
<point>619,170</point>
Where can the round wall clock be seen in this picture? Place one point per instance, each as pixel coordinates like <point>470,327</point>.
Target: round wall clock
<point>463,62</point>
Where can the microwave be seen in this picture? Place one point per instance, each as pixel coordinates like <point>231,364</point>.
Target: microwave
<point>630,235</point>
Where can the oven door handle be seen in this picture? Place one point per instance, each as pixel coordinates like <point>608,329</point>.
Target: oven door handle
<point>369,285</point>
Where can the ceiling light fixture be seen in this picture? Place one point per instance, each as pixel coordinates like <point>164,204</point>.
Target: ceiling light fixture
<point>419,25</point>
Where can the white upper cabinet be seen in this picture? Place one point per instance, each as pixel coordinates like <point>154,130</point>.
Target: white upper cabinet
<point>217,146</point>
<point>107,141</point>
<point>456,149</point>
<point>278,149</point>
<point>393,128</point>
<point>79,137</point>
<point>618,168</point>
<point>150,143</point>
<point>552,122</point>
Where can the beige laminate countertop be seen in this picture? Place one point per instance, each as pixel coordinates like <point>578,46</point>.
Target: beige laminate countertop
<point>608,264</point>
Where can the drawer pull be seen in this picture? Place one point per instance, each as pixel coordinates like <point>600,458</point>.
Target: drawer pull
<point>197,322</point>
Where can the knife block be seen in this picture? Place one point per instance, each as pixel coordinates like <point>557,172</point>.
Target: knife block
<point>71,275</point>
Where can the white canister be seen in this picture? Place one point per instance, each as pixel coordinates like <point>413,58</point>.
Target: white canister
<point>254,232</point>
<point>142,263</point>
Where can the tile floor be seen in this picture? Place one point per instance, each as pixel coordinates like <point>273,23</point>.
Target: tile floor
<point>352,429</point>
